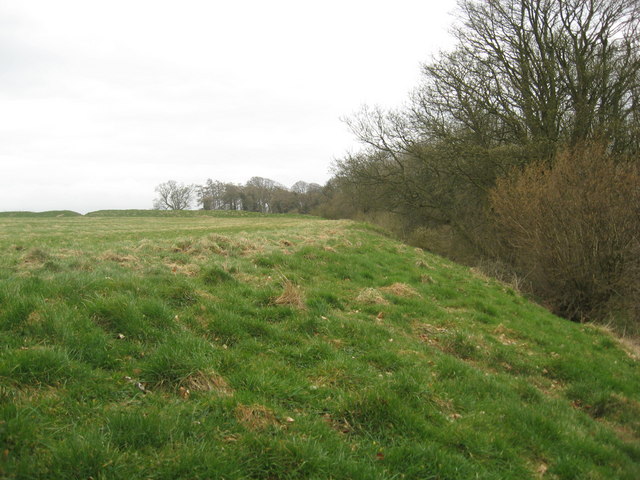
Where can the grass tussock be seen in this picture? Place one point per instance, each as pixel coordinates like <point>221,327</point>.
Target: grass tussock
<point>207,381</point>
<point>401,290</point>
<point>371,296</point>
<point>292,296</point>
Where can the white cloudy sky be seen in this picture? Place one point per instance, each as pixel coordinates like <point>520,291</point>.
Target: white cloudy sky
<point>100,101</point>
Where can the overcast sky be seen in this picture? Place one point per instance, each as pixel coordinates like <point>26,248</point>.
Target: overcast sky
<point>100,101</point>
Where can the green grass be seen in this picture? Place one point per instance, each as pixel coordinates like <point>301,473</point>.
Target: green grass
<point>143,345</point>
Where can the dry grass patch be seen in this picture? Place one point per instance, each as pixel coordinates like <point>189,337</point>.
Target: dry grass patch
<point>505,336</point>
<point>255,417</point>
<point>257,280</point>
<point>429,334</point>
<point>228,246</point>
<point>112,256</point>
<point>420,263</point>
<point>35,256</point>
<point>426,279</point>
<point>371,296</point>
<point>189,270</point>
<point>480,275</point>
<point>34,318</point>
<point>292,295</point>
<point>70,253</point>
<point>401,290</point>
<point>207,381</point>
<point>184,245</point>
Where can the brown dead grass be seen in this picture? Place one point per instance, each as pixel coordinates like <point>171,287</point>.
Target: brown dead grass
<point>401,290</point>
<point>255,417</point>
<point>34,318</point>
<point>227,246</point>
<point>371,296</point>
<point>35,256</point>
<point>208,381</point>
<point>189,270</point>
<point>112,256</point>
<point>506,336</point>
<point>429,334</point>
<point>292,295</point>
<point>420,263</point>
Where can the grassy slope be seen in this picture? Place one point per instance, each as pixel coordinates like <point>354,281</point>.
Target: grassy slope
<point>47,214</point>
<point>281,347</point>
<point>175,213</point>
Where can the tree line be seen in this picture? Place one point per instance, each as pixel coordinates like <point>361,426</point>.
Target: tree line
<point>256,195</point>
<point>518,149</point>
<point>518,152</point>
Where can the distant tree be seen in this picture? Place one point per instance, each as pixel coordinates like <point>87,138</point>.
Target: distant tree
<point>259,193</point>
<point>306,196</point>
<point>173,196</point>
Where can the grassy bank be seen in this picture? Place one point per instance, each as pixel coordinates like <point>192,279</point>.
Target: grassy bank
<point>197,346</point>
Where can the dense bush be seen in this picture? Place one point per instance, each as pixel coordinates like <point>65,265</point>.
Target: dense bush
<point>573,229</point>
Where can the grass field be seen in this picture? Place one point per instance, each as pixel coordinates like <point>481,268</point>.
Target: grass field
<point>137,345</point>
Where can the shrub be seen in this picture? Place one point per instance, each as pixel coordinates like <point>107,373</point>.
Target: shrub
<point>573,228</point>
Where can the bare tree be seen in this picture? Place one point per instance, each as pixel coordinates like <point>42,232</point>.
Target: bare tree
<point>526,78</point>
<point>173,196</point>
<point>537,72</point>
<point>259,194</point>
